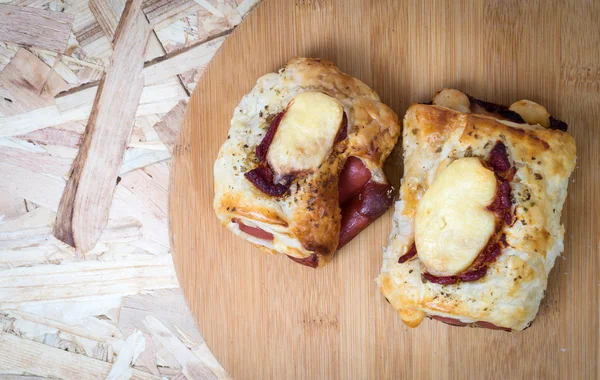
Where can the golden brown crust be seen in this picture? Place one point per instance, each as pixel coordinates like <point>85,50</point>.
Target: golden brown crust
<point>307,220</point>
<point>316,216</point>
<point>509,295</point>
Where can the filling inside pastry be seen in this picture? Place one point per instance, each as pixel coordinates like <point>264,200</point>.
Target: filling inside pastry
<point>458,322</point>
<point>254,231</point>
<point>522,111</point>
<point>297,142</point>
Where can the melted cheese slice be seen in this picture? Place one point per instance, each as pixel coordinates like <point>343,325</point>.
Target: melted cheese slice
<point>531,112</point>
<point>453,99</point>
<point>452,223</point>
<point>306,133</point>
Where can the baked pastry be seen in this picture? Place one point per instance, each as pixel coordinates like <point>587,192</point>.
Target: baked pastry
<point>301,170</point>
<point>477,227</point>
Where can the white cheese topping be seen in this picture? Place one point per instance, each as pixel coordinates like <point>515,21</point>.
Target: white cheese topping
<point>306,133</point>
<point>452,99</point>
<point>452,223</point>
<point>531,112</point>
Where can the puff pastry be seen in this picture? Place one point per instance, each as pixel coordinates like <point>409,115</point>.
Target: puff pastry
<point>301,170</point>
<point>477,227</point>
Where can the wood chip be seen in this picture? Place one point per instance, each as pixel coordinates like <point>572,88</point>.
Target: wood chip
<point>193,368</point>
<point>42,360</point>
<point>161,13</point>
<point>196,57</point>
<point>107,13</point>
<point>6,53</point>
<point>133,347</point>
<point>168,128</point>
<point>39,188</point>
<point>35,27</point>
<point>89,34</point>
<point>53,136</point>
<point>12,205</point>
<point>143,195</point>
<point>37,162</point>
<point>84,207</point>
<point>30,83</point>
<point>154,49</point>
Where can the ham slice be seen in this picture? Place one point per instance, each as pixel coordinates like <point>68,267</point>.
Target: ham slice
<point>353,178</point>
<point>258,233</point>
<point>372,201</point>
<point>456,322</point>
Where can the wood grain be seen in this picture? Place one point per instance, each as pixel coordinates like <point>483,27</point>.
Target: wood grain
<point>108,13</point>
<point>170,125</point>
<point>83,211</point>
<point>35,27</point>
<point>40,359</point>
<point>267,317</point>
<point>30,83</point>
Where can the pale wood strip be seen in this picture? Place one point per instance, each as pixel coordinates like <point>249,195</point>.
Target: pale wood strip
<point>30,121</point>
<point>168,128</point>
<point>154,49</point>
<point>169,306</point>
<point>196,57</point>
<point>34,229</point>
<point>13,142</point>
<point>161,13</point>
<point>89,328</point>
<point>201,350</point>
<point>71,60</point>
<point>107,13</point>
<point>42,4</point>
<point>210,8</point>
<point>37,162</point>
<point>27,356</point>
<point>30,83</point>
<point>89,34</point>
<point>142,194</point>
<point>12,205</point>
<point>60,67</point>
<point>6,54</point>
<point>136,158</point>
<point>161,98</point>
<point>82,280</point>
<point>83,210</point>
<point>200,26</point>
<point>128,354</point>
<point>39,188</point>
<point>193,368</point>
<point>35,27</point>
<point>53,136</point>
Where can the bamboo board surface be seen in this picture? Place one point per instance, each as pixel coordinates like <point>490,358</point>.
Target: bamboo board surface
<point>267,317</point>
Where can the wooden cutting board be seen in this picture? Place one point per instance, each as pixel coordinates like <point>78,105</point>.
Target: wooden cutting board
<point>266,317</point>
